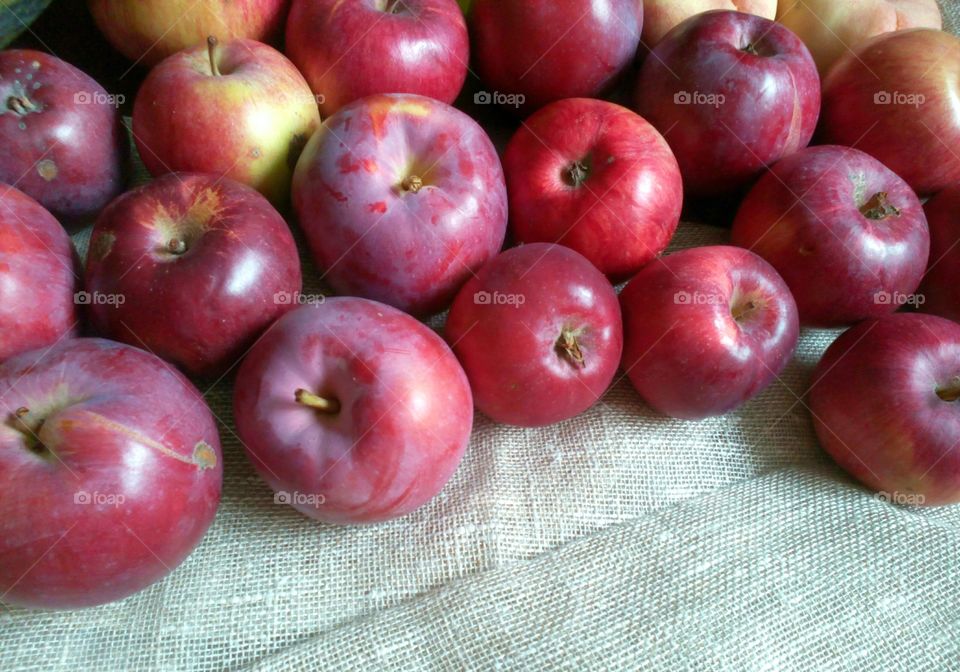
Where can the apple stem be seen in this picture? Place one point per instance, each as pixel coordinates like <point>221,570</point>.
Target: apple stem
<point>311,400</point>
<point>578,173</point>
<point>569,347</point>
<point>21,424</point>
<point>176,246</point>
<point>20,105</point>
<point>879,208</point>
<point>413,183</point>
<point>950,392</point>
<point>212,52</point>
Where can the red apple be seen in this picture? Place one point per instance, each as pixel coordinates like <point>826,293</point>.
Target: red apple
<point>60,131</point>
<point>110,472</point>
<point>706,330</point>
<point>192,268</point>
<point>939,292</point>
<point>38,276</point>
<point>352,411</point>
<point>402,199</point>
<point>848,235</point>
<point>147,31</point>
<point>545,50</point>
<point>538,332</point>
<point>239,109</point>
<point>732,93</point>
<point>831,29</point>
<point>358,48</point>
<point>884,403</point>
<point>661,16</point>
<point>597,178</point>
<point>895,98</point>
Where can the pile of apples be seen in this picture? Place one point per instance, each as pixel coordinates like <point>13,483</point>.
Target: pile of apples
<point>351,408</point>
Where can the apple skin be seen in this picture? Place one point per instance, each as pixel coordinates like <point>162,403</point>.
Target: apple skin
<point>845,259</point>
<point>375,237</point>
<point>401,427</point>
<point>940,288</point>
<point>884,406</point>
<point>548,354</point>
<point>108,482</point>
<point>686,350</point>
<point>39,275</point>
<point>768,109</point>
<point>249,122</point>
<point>831,29</point>
<point>148,31</point>
<point>352,49</point>
<point>63,143</point>
<point>597,178</point>
<point>547,50</point>
<point>661,16</point>
<point>916,141</point>
<point>203,307</point>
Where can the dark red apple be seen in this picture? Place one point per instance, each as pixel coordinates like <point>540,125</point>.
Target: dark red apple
<point>402,199</point>
<point>110,472</point>
<point>732,93</point>
<point>358,48</point>
<point>597,178</point>
<point>706,330</point>
<point>239,109</point>
<point>547,50</point>
<point>192,268</point>
<point>39,276</point>
<point>62,141</point>
<point>884,403</point>
<point>895,98</point>
<point>940,290</point>
<point>538,332</point>
<point>352,411</point>
<point>848,235</point>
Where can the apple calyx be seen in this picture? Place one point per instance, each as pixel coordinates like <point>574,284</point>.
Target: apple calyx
<point>879,208</point>
<point>413,184</point>
<point>951,391</point>
<point>577,173</point>
<point>394,6</point>
<point>743,309</point>
<point>21,105</point>
<point>177,246</point>
<point>212,53</point>
<point>569,348</point>
<point>316,402</point>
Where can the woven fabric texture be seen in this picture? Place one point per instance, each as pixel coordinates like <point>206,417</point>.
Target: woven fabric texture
<point>617,540</point>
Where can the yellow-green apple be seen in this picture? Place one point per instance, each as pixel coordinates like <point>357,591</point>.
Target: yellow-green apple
<point>348,49</point>
<point>534,52</point>
<point>896,98</point>
<point>38,276</point>
<point>198,266</point>
<point>402,199</point>
<point>661,16</point>
<point>110,473</point>
<point>147,31</point>
<point>830,28</point>
<point>238,109</point>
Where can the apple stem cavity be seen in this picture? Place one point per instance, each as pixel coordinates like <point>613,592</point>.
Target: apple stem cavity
<point>950,392</point>
<point>316,402</point>
<point>576,174</point>
<point>569,348</point>
<point>212,52</point>
<point>879,208</point>
<point>413,184</point>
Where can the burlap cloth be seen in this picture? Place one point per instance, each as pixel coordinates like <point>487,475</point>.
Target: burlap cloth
<point>618,540</point>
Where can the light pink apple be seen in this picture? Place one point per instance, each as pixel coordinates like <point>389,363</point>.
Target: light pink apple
<point>660,16</point>
<point>830,28</point>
